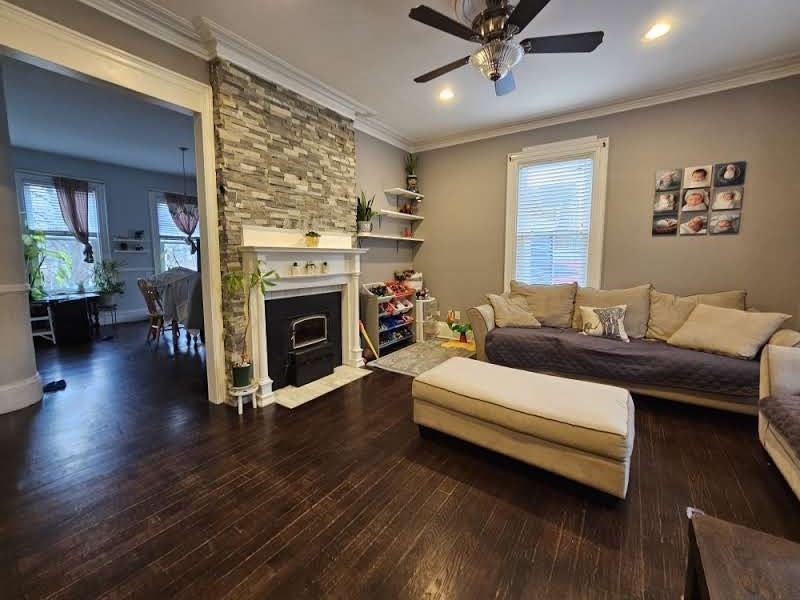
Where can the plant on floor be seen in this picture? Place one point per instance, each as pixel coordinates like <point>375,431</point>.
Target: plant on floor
<point>106,280</point>
<point>240,285</point>
<point>412,161</point>
<point>36,254</point>
<point>364,213</point>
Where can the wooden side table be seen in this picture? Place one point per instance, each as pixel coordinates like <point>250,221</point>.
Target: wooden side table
<point>240,392</point>
<point>728,562</point>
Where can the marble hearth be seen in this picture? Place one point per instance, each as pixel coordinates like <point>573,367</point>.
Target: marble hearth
<point>278,249</point>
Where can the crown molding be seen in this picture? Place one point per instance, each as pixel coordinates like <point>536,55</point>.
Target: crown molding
<point>786,66</point>
<point>155,20</point>
<point>378,129</point>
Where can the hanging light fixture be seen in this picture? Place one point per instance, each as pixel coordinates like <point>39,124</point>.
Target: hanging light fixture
<point>495,59</point>
<point>183,207</point>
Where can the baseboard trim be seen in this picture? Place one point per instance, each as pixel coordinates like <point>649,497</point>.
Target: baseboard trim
<point>19,394</point>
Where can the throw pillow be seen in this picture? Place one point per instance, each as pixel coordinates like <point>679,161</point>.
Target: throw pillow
<point>727,331</point>
<point>668,311</point>
<point>637,300</point>
<point>511,311</point>
<point>607,321</point>
<point>552,305</point>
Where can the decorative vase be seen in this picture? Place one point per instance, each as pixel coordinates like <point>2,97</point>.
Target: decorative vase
<point>411,183</point>
<point>242,376</point>
<point>364,226</point>
<point>463,338</point>
<point>296,270</point>
<point>312,241</point>
<point>311,268</point>
<point>323,268</point>
<point>106,299</point>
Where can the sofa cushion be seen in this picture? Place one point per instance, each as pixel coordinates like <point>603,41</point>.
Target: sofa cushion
<point>783,413</point>
<point>591,417</point>
<point>512,311</point>
<point>727,331</point>
<point>552,305</point>
<point>668,311</point>
<point>636,299</point>
<point>639,362</point>
<point>608,322</point>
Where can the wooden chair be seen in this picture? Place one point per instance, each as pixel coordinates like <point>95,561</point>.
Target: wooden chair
<point>154,309</point>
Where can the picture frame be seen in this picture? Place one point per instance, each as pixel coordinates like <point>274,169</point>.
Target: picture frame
<point>695,200</point>
<point>727,198</point>
<point>666,202</point>
<point>698,176</point>
<point>668,179</point>
<point>725,223</point>
<point>693,223</point>
<point>730,173</point>
<point>666,224</point>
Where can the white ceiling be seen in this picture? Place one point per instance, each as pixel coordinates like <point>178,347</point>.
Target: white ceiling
<point>371,51</point>
<point>51,112</point>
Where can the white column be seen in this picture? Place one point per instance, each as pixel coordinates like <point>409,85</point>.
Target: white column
<point>20,384</point>
<point>355,356</point>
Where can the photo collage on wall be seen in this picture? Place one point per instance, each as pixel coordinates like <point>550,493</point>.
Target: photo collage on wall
<point>699,200</point>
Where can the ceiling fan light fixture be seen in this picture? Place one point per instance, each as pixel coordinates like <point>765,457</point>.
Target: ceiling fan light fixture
<point>656,31</point>
<point>495,59</point>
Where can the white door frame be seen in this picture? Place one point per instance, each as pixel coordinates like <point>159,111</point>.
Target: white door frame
<point>35,38</point>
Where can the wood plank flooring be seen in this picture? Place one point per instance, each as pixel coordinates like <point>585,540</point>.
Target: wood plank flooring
<point>130,485</point>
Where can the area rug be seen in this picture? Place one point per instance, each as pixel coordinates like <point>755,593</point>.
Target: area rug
<point>422,356</point>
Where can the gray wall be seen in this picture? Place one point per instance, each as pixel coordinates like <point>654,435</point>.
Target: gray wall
<point>127,206</point>
<point>97,25</point>
<point>465,188</point>
<point>380,166</point>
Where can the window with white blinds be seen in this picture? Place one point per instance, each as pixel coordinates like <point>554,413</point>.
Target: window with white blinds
<point>41,212</point>
<point>556,208</point>
<point>554,212</point>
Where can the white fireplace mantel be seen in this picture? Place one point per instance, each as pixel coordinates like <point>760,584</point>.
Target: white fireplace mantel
<point>278,250</point>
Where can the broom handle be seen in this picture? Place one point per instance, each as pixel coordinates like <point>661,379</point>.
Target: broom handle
<point>366,337</point>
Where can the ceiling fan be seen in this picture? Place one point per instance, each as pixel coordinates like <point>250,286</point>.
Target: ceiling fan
<point>494,29</point>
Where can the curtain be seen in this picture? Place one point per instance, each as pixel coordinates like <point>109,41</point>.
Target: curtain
<point>183,210</point>
<point>73,198</point>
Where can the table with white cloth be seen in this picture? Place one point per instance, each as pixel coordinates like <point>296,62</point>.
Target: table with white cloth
<point>175,288</point>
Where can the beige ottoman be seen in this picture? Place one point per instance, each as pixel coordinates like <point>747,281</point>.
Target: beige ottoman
<point>581,430</point>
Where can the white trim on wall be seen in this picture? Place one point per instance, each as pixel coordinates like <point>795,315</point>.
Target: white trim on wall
<point>34,38</point>
<point>592,147</point>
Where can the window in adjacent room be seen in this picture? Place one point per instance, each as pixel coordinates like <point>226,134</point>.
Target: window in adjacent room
<point>169,241</point>
<point>555,213</point>
<point>40,211</point>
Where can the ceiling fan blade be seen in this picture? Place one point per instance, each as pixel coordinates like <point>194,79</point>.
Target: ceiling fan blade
<point>506,85</point>
<point>430,17</point>
<point>442,70</point>
<point>572,42</point>
<point>525,12</point>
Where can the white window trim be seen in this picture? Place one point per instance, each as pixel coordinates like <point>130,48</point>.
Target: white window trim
<point>23,175</point>
<point>588,147</point>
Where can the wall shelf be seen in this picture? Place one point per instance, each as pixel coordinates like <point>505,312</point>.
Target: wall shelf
<point>145,251</point>
<point>394,238</point>
<point>128,239</point>
<point>393,214</point>
<point>403,193</point>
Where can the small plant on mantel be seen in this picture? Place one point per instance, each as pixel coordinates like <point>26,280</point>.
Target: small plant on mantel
<point>364,213</point>
<point>312,239</point>
<point>240,285</point>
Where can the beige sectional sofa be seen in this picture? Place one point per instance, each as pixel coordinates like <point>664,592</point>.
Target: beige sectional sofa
<point>647,365</point>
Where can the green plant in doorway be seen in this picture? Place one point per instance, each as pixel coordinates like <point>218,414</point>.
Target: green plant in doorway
<point>37,254</point>
<point>240,285</point>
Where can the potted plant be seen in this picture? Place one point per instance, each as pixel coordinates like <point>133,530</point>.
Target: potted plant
<point>240,284</point>
<point>459,328</point>
<point>36,253</point>
<point>364,213</point>
<point>106,281</point>
<point>312,239</point>
<point>412,160</point>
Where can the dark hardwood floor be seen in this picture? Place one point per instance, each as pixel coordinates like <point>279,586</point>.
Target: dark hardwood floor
<point>129,484</point>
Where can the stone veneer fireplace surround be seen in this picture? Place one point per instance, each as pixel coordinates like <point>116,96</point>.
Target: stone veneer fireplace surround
<point>278,249</point>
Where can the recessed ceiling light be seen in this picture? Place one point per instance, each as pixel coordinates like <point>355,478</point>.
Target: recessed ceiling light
<point>446,95</point>
<point>656,31</point>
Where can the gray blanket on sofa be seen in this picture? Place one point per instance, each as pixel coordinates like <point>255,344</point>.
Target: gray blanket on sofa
<point>644,362</point>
